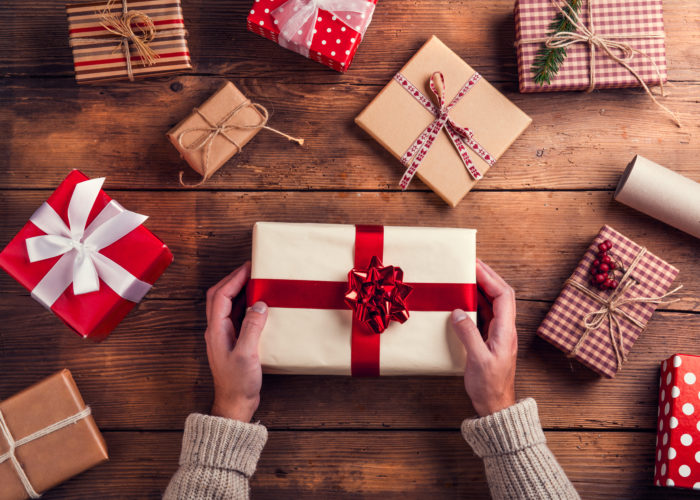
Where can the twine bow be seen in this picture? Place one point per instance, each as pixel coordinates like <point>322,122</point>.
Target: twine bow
<point>587,34</point>
<point>14,444</point>
<point>123,25</point>
<point>213,130</point>
<point>611,310</point>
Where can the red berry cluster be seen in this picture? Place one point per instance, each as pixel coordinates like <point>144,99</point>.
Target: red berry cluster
<point>603,267</point>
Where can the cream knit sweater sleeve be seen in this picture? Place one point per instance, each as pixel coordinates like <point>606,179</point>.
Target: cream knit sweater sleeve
<point>218,456</point>
<point>519,465</point>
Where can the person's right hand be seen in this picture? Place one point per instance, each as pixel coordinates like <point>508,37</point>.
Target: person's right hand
<point>489,375</point>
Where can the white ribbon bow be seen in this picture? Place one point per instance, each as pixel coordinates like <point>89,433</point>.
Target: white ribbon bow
<point>297,18</point>
<point>82,263</point>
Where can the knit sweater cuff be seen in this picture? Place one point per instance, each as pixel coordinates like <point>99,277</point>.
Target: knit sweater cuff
<point>505,432</point>
<point>222,443</point>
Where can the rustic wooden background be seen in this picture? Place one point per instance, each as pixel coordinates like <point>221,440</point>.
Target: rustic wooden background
<point>536,212</point>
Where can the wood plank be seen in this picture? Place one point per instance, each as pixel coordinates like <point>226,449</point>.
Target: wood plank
<point>55,125</point>
<point>534,239</point>
<point>220,43</point>
<point>152,372</point>
<point>376,464</point>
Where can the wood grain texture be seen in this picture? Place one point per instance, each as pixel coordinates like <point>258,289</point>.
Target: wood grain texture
<point>220,43</point>
<point>362,464</point>
<point>155,364</point>
<point>534,239</point>
<point>536,211</point>
<point>576,141</point>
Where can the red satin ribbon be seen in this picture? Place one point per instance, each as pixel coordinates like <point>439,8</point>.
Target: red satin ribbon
<point>369,242</point>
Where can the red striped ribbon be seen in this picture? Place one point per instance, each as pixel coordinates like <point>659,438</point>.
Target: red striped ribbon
<point>369,242</point>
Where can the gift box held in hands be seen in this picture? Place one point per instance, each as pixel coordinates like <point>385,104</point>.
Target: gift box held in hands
<point>362,300</point>
<point>127,39</point>
<point>85,257</point>
<point>54,437</point>
<point>607,302</point>
<point>327,31</point>
<point>678,431</point>
<point>450,139</point>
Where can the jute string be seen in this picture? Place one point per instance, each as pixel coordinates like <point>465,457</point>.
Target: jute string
<point>10,455</point>
<point>122,25</point>
<point>212,130</point>
<point>611,310</point>
<point>608,43</point>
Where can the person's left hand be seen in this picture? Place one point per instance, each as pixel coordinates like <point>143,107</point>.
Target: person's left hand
<point>233,359</point>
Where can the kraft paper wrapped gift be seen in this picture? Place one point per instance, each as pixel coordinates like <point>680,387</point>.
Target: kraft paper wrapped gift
<point>55,437</point>
<point>218,129</point>
<point>451,146</point>
<point>599,327</point>
<point>104,50</point>
<point>313,276</point>
<point>86,258</point>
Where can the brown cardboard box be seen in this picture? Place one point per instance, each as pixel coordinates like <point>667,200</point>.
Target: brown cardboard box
<point>51,459</point>
<point>395,119</point>
<point>241,127</point>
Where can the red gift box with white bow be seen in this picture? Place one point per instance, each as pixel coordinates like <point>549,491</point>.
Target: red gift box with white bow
<point>326,31</point>
<point>678,430</point>
<point>85,257</point>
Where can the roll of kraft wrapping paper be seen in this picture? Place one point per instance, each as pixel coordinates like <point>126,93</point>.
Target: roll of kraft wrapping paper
<point>661,193</point>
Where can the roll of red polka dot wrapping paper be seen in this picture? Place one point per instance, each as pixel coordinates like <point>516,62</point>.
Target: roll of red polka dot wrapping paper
<point>335,39</point>
<point>678,432</point>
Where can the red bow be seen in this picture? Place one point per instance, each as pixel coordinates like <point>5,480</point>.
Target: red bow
<point>377,295</point>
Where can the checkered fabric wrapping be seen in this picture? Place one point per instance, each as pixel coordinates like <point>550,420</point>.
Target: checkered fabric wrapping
<point>610,17</point>
<point>564,323</point>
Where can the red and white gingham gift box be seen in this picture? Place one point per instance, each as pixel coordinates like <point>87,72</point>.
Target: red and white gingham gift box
<point>564,324</point>
<point>678,432</point>
<point>610,18</point>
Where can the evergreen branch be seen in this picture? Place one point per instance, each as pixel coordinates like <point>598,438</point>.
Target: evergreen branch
<point>548,61</point>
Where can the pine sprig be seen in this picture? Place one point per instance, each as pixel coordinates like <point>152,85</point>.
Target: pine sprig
<point>547,61</point>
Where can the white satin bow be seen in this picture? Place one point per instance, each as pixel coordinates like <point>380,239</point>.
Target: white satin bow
<point>297,18</point>
<point>82,263</point>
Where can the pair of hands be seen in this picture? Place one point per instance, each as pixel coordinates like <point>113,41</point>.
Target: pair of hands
<point>489,376</point>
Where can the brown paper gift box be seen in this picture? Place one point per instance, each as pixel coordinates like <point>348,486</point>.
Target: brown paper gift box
<point>56,457</point>
<point>216,108</point>
<point>395,119</point>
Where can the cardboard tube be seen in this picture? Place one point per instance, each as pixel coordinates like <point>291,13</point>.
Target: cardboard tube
<point>661,193</point>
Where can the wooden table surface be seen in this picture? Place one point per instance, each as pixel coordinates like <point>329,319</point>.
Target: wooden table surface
<point>536,211</point>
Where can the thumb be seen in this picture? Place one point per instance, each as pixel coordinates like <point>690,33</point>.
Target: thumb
<point>468,333</point>
<point>252,328</point>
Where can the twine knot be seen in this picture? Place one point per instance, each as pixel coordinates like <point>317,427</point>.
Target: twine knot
<point>212,130</point>
<point>585,33</point>
<point>611,310</point>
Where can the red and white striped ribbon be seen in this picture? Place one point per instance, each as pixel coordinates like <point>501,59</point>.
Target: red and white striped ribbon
<point>461,136</point>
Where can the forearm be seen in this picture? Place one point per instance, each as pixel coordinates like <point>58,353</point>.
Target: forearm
<point>218,457</point>
<point>518,463</point>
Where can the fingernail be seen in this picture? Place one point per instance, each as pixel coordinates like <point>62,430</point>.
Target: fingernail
<point>259,307</point>
<point>458,315</point>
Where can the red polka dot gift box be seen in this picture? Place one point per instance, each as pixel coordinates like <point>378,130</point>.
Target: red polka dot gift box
<point>326,31</point>
<point>678,431</point>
